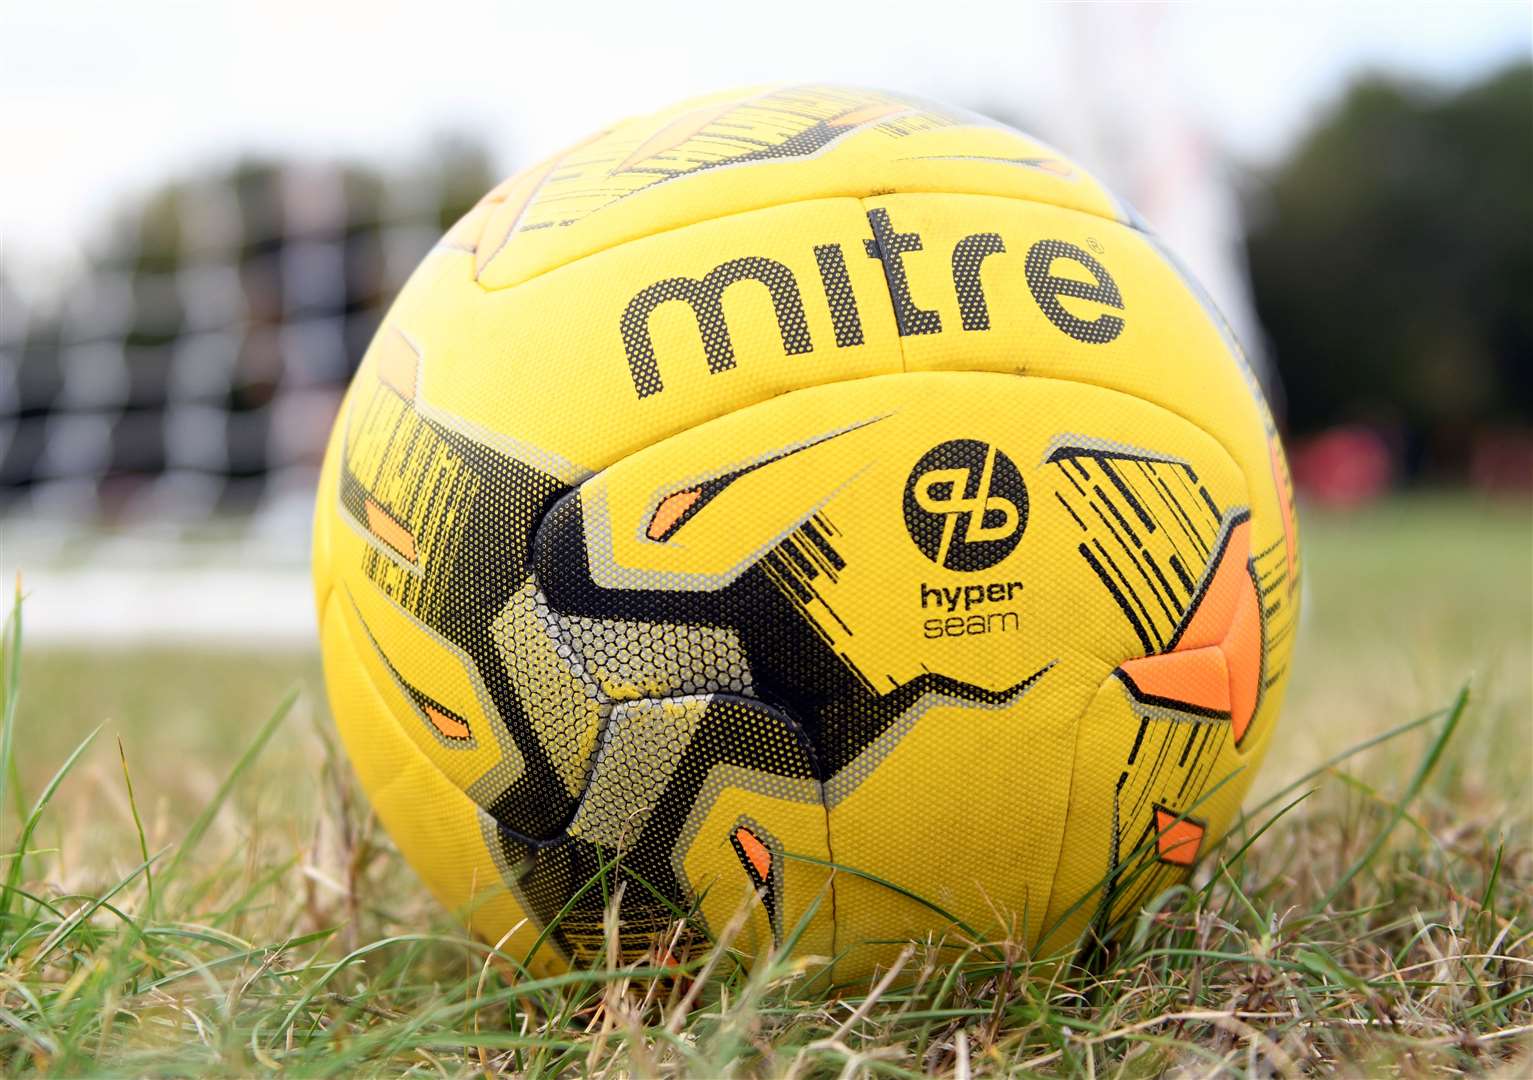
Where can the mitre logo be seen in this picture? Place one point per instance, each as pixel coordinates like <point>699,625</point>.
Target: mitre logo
<point>1086,280</point>
<point>965,505</point>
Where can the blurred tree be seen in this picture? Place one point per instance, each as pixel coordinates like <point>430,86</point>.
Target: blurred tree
<point>1392,260</point>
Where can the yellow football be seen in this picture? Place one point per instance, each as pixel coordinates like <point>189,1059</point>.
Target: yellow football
<point>813,504</point>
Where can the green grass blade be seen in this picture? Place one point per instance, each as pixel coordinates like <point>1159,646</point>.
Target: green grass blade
<point>138,827</point>
<point>1424,770</point>
<point>1331,762</point>
<point>73,923</point>
<point>1488,897</point>
<point>11,655</point>
<point>1257,835</point>
<point>205,819</point>
<point>569,906</point>
<point>14,871</point>
<point>900,890</point>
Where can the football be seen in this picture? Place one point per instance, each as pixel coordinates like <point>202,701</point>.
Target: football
<point>825,513</point>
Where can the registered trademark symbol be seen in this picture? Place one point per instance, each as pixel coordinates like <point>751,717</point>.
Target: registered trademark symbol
<point>1094,244</point>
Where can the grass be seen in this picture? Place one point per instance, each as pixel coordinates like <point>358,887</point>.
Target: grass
<point>192,886</point>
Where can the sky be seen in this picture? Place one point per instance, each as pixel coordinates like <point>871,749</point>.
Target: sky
<point>101,99</point>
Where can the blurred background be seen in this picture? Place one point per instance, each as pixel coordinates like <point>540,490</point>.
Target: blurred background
<point>208,207</point>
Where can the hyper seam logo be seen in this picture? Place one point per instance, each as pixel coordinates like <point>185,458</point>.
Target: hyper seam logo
<point>965,505</point>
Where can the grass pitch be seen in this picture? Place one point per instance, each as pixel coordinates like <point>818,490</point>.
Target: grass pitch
<point>192,885</point>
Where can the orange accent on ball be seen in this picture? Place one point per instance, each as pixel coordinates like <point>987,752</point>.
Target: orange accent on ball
<point>1199,677</point>
<point>670,511</point>
<point>755,851</point>
<point>391,532</point>
<point>1177,840</point>
<point>1216,664</point>
<point>450,726</point>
